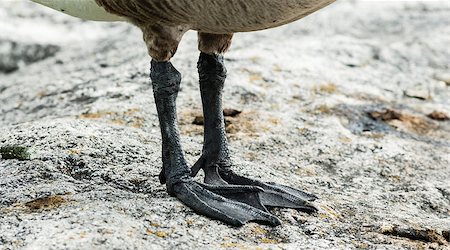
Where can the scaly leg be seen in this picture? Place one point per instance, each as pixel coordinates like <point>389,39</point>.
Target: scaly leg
<point>206,199</point>
<point>215,159</point>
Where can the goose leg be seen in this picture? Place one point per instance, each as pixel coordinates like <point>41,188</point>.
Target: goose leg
<point>206,199</point>
<point>215,159</point>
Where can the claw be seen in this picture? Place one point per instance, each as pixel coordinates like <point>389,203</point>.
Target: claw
<point>275,195</point>
<point>204,199</point>
<point>162,177</point>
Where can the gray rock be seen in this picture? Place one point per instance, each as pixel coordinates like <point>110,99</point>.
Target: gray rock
<point>323,110</point>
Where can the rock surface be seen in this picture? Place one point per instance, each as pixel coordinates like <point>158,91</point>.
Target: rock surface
<point>335,104</point>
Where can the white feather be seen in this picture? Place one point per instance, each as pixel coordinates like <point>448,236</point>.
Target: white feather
<point>84,9</point>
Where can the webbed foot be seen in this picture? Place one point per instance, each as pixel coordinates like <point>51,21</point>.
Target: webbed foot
<point>213,201</point>
<point>215,159</point>
<point>274,195</point>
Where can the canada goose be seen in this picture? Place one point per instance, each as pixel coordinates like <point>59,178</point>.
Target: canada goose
<point>224,195</point>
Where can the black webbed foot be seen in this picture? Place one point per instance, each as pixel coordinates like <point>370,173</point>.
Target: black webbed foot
<point>270,194</point>
<point>215,159</point>
<point>241,193</point>
<point>274,195</point>
<point>213,201</point>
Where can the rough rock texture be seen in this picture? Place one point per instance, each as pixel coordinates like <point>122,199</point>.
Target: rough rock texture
<point>335,104</point>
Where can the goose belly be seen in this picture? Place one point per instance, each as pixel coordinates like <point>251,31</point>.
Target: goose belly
<point>84,9</point>
<point>214,16</point>
<point>231,16</point>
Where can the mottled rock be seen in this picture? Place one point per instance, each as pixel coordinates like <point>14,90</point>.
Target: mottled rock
<point>308,92</point>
